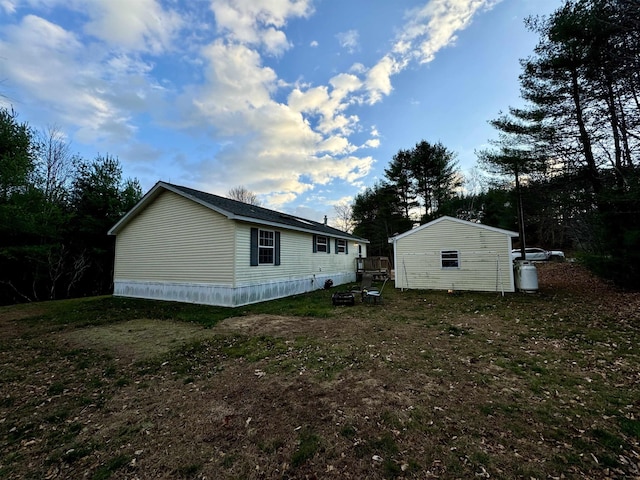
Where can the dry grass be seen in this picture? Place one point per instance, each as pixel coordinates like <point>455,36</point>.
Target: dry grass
<point>428,385</point>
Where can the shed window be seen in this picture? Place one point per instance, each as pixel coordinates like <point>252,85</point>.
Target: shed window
<point>450,259</point>
<point>341,246</point>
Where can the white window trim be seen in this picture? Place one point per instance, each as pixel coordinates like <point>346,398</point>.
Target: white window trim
<point>342,246</point>
<point>272,247</point>
<point>449,258</point>
<point>324,245</point>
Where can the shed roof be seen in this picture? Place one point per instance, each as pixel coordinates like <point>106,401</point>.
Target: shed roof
<point>234,210</point>
<point>447,218</point>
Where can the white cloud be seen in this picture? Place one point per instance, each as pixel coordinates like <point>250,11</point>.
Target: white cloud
<point>288,154</point>
<point>277,200</point>
<point>346,200</point>
<point>284,149</point>
<point>327,105</point>
<point>335,145</point>
<point>43,58</point>
<point>379,79</point>
<point>429,29</point>
<point>280,148</point>
<point>258,22</point>
<point>275,41</point>
<point>310,100</point>
<point>272,146</point>
<point>349,40</point>
<point>81,86</point>
<point>236,78</point>
<point>8,6</point>
<point>358,68</point>
<point>350,168</point>
<point>434,26</point>
<point>139,25</point>
<point>372,143</point>
<point>344,84</point>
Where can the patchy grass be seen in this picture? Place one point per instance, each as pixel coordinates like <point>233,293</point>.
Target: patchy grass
<point>427,385</point>
<point>308,446</point>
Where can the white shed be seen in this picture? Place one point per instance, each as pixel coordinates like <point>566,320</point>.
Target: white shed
<point>453,254</point>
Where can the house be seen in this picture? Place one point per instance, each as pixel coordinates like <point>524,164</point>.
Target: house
<point>453,254</point>
<point>190,246</point>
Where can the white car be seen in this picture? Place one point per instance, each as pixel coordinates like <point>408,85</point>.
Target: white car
<point>556,255</point>
<point>534,253</point>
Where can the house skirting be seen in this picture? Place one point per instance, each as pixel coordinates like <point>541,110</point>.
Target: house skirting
<point>224,295</point>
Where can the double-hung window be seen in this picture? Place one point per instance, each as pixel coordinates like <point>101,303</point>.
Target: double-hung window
<point>266,246</point>
<point>341,246</point>
<point>450,259</point>
<point>322,244</point>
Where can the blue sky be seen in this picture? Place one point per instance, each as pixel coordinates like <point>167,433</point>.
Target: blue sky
<point>304,102</point>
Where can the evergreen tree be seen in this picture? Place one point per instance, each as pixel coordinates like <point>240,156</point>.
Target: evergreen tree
<point>399,174</point>
<point>582,87</point>
<point>435,176</point>
<point>99,198</point>
<point>378,215</point>
<point>17,155</point>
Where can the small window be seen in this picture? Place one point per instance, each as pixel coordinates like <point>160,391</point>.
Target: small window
<point>266,246</point>
<point>341,246</point>
<point>322,243</point>
<point>450,258</point>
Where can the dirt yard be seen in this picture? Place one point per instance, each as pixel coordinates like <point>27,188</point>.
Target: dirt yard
<point>427,385</point>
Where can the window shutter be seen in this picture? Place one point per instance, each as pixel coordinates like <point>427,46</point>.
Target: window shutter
<point>276,252</point>
<point>336,245</point>
<point>254,247</point>
<point>328,245</point>
<point>315,248</point>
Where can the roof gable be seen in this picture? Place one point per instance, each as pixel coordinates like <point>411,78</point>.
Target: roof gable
<point>234,210</point>
<point>444,218</point>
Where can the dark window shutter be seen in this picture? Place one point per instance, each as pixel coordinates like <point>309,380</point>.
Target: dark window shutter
<point>276,253</point>
<point>254,247</point>
<point>328,245</point>
<point>315,248</point>
<point>336,245</point>
<point>346,247</point>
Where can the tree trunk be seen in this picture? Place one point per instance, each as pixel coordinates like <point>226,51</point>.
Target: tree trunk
<point>585,140</point>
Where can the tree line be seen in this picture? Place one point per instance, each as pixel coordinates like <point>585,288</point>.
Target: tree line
<point>566,162</point>
<point>55,211</point>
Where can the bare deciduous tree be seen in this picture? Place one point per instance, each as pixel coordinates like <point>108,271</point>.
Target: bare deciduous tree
<point>56,167</point>
<point>243,194</point>
<point>344,218</point>
<point>81,264</point>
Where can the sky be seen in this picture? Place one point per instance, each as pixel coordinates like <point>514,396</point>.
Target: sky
<point>303,102</point>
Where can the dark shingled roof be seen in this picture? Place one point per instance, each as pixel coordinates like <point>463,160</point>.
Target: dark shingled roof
<point>244,211</point>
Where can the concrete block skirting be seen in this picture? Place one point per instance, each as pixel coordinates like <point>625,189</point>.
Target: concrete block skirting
<point>223,295</point>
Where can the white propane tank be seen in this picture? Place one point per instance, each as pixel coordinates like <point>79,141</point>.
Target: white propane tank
<point>526,276</point>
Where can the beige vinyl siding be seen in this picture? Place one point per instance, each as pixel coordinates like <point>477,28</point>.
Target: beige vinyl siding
<point>175,239</point>
<point>297,259</point>
<point>484,256</point>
